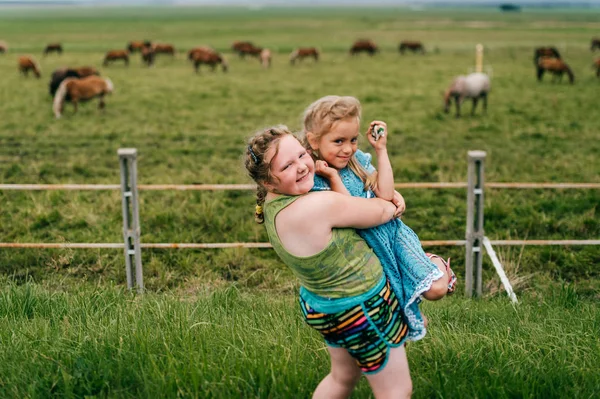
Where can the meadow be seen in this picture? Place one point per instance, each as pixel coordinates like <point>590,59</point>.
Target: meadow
<point>191,128</point>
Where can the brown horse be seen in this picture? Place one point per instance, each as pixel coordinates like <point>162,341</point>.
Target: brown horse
<point>148,55</point>
<point>3,46</point>
<point>304,52</point>
<point>190,54</point>
<point>545,52</point>
<point>474,86</point>
<point>27,64</point>
<point>415,47</point>
<point>53,48</point>
<point>556,66</point>
<point>246,48</point>
<point>138,45</point>
<point>163,48</point>
<point>84,89</point>
<point>62,73</point>
<point>114,55</point>
<point>207,56</point>
<point>597,66</point>
<point>595,44</point>
<point>364,45</point>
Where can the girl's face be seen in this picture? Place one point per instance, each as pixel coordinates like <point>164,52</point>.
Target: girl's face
<point>292,168</point>
<point>337,146</point>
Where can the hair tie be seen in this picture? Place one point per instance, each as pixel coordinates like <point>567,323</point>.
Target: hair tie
<point>253,155</point>
<point>259,210</point>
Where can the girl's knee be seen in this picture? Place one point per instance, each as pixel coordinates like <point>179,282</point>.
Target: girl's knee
<point>347,378</point>
<point>438,290</point>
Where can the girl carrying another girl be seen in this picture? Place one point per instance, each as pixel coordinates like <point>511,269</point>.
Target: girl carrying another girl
<point>344,293</point>
<point>331,130</point>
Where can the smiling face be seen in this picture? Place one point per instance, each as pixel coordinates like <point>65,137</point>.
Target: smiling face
<point>292,168</point>
<point>337,146</point>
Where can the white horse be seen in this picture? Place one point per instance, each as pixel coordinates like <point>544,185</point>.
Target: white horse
<point>474,86</point>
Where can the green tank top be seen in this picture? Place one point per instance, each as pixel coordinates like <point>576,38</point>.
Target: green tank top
<point>345,267</point>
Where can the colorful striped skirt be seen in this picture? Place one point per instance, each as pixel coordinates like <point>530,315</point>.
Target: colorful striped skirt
<point>367,331</point>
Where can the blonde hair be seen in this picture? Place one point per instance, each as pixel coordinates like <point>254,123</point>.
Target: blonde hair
<point>320,116</point>
<point>254,161</point>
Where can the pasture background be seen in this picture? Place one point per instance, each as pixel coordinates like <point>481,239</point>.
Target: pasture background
<point>191,128</point>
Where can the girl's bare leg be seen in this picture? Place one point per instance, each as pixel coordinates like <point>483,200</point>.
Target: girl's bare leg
<point>394,380</point>
<point>342,378</point>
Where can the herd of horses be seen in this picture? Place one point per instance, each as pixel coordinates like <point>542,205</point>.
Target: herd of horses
<point>76,84</point>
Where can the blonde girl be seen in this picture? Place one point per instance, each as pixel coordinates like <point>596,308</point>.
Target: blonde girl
<point>331,130</point>
<point>344,293</point>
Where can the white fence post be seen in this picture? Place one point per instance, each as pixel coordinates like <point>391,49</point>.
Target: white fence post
<point>474,234</point>
<point>131,217</point>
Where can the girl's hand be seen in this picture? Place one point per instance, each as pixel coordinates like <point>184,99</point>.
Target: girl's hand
<point>324,170</point>
<point>381,142</point>
<point>398,200</point>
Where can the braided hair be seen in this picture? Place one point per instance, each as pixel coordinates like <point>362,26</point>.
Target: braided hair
<point>258,169</point>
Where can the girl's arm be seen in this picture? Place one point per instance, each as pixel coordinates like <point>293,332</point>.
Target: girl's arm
<point>332,175</point>
<point>385,175</point>
<point>337,210</point>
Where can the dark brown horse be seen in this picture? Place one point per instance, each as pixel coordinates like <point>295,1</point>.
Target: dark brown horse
<point>3,46</point>
<point>364,46</point>
<point>415,47</point>
<point>114,55</point>
<point>304,52</point>
<point>62,73</point>
<point>595,44</point>
<point>246,48</point>
<point>545,52</point>
<point>148,55</point>
<point>27,64</point>
<point>207,56</point>
<point>138,45</point>
<point>597,66</point>
<point>53,48</point>
<point>84,89</point>
<point>163,48</point>
<point>556,66</point>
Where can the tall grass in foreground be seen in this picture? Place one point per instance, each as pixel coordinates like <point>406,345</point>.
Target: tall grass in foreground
<point>104,342</point>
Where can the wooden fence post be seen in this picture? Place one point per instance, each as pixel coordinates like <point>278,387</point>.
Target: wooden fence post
<point>474,233</point>
<point>131,217</point>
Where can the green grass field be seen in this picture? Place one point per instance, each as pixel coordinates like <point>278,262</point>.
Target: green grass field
<point>191,128</point>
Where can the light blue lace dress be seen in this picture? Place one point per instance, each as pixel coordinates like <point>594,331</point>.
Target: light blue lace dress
<point>398,248</point>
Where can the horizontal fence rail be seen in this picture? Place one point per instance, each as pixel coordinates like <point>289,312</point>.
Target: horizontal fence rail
<point>430,243</point>
<point>216,187</point>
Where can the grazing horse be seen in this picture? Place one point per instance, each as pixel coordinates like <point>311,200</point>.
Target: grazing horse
<point>27,64</point>
<point>246,48</point>
<point>163,48</point>
<point>148,56</point>
<point>3,46</point>
<point>114,55</point>
<point>265,58</point>
<point>138,45</point>
<point>190,54</point>
<point>84,89</point>
<point>412,46</point>
<point>62,73</point>
<point>597,66</point>
<point>545,52</point>
<point>208,56</point>
<point>302,53</point>
<point>364,45</point>
<point>474,86</point>
<point>53,47</point>
<point>556,66</point>
<point>595,44</point>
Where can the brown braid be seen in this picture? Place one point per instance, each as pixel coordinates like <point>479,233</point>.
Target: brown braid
<point>257,168</point>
